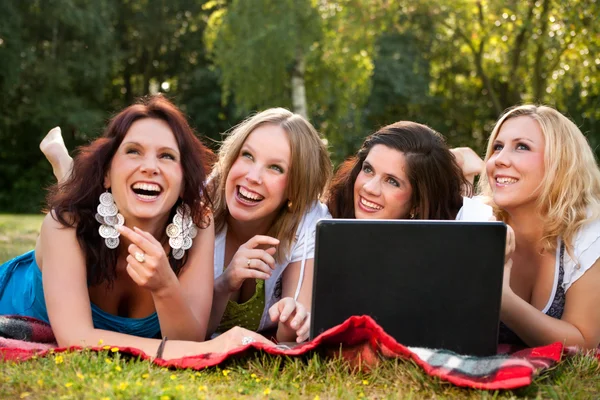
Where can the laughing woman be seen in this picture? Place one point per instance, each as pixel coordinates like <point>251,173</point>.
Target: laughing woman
<point>544,182</point>
<point>271,171</point>
<point>126,251</point>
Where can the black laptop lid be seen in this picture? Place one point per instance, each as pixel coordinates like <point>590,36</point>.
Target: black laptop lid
<point>433,284</point>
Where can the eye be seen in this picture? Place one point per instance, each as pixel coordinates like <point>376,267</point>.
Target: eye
<point>132,150</point>
<point>277,168</point>
<point>367,169</point>
<point>393,182</point>
<point>168,156</point>
<point>497,147</point>
<point>522,146</point>
<point>247,155</point>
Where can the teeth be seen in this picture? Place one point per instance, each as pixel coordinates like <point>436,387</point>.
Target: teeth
<point>506,181</point>
<point>148,187</point>
<point>250,195</point>
<point>147,197</point>
<point>369,204</point>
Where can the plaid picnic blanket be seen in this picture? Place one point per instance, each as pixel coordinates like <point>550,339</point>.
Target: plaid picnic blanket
<point>359,339</point>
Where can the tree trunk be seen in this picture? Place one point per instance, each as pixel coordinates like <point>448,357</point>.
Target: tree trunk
<point>539,75</point>
<point>298,86</point>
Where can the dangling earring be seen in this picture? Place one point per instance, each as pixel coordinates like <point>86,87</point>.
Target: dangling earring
<point>181,231</point>
<point>412,214</point>
<point>108,216</point>
<point>290,204</point>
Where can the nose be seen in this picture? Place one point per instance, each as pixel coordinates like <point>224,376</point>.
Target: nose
<point>373,186</point>
<point>502,158</point>
<point>149,165</point>
<point>254,174</point>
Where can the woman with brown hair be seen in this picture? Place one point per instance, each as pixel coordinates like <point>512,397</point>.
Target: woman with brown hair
<point>125,251</point>
<point>404,171</point>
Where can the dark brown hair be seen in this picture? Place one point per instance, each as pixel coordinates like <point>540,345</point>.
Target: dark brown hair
<point>74,202</point>
<point>435,177</point>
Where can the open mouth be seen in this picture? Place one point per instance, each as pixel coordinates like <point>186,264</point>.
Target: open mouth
<point>369,205</point>
<point>146,191</point>
<point>248,196</point>
<point>504,180</point>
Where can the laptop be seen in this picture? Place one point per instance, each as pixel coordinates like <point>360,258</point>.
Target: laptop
<point>434,284</point>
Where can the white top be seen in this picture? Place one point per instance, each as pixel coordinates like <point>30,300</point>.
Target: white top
<point>302,249</point>
<point>474,209</point>
<point>586,250</point>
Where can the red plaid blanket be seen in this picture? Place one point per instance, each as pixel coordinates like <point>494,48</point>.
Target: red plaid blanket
<point>359,339</point>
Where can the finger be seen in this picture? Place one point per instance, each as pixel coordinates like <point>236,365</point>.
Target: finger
<point>299,317</point>
<point>251,274</point>
<point>136,238</point>
<point>274,312</point>
<point>288,308</point>
<point>258,338</point>
<point>261,255</point>
<point>133,273</point>
<point>258,240</point>
<point>258,265</point>
<point>302,333</point>
<point>148,236</point>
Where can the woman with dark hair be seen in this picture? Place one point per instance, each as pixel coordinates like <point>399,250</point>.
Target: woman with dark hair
<point>404,170</point>
<point>125,252</point>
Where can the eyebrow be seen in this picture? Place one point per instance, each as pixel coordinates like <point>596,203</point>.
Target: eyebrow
<point>518,139</point>
<point>162,148</point>
<point>273,160</point>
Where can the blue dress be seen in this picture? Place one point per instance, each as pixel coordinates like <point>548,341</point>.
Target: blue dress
<point>22,293</point>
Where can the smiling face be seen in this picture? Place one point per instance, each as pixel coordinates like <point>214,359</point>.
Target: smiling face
<point>382,189</point>
<point>515,169</point>
<point>255,188</point>
<point>145,174</point>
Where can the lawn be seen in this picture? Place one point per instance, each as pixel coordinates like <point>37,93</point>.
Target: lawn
<point>111,375</point>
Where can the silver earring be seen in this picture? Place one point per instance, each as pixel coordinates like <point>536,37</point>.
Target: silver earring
<point>108,216</point>
<point>181,231</point>
<point>412,215</point>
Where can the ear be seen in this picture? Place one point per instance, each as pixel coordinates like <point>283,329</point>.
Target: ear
<point>106,183</point>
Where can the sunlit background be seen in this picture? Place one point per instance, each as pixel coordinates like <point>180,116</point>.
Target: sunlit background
<point>350,66</point>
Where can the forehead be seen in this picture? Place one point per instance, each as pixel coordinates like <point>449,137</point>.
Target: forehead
<point>151,131</point>
<point>270,141</point>
<point>523,127</point>
<point>387,160</point>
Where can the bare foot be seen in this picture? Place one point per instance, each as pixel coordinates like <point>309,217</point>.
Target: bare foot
<point>53,147</point>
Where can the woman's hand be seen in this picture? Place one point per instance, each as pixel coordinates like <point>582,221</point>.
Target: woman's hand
<point>249,262</point>
<point>293,318</point>
<point>147,263</point>
<point>470,163</point>
<point>237,337</point>
<point>508,251</point>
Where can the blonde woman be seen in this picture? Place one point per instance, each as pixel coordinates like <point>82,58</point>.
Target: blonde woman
<point>271,171</point>
<point>542,180</point>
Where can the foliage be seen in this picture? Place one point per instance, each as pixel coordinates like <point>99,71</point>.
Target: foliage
<point>455,65</point>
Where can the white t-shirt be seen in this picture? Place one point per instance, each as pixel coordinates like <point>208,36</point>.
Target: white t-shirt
<point>303,247</point>
<point>586,250</point>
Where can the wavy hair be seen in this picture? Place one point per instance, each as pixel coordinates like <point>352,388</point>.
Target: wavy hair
<point>309,172</point>
<point>434,175</point>
<point>74,202</point>
<point>570,191</point>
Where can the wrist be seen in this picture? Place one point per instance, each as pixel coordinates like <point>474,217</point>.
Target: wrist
<point>165,290</point>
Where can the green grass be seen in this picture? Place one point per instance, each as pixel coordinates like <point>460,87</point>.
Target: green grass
<point>111,375</point>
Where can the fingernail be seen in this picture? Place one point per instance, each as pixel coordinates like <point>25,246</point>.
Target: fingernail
<point>119,228</point>
<point>283,317</point>
<point>294,324</point>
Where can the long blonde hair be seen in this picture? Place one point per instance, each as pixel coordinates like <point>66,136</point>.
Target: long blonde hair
<point>309,172</point>
<point>570,191</point>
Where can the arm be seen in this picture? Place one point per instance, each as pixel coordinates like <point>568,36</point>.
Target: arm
<point>293,316</point>
<point>247,263</point>
<point>184,308</point>
<point>470,163</point>
<point>68,303</point>
<point>579,325</point>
